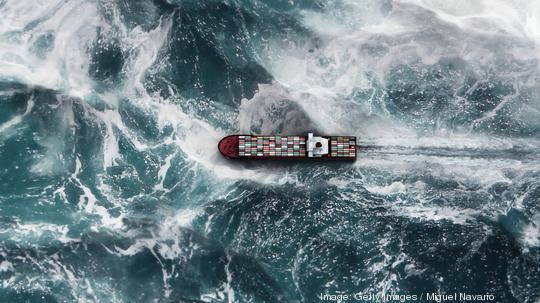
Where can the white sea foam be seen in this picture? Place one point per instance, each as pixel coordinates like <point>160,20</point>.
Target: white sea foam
<point>64,66</point>
<point>530,236</point>
<point>461,216</point>
<point>19,118</point>
<point>34,231</point>
<point>111,153</point>
<point>198,140</point>
<point>6,266</point>
<point>163,172</point>
<point>341,183</point>
<point>363,40</point>
<point>395,187</point>
<point>90,204</point>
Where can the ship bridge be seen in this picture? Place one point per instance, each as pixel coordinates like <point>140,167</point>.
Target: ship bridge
<point>316,146</point>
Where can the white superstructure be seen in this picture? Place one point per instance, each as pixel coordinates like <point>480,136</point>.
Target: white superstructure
<point>316,146</point>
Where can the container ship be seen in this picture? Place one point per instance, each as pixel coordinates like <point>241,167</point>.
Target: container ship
<point>288,147</point>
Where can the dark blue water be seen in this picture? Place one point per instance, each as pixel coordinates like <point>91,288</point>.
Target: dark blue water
<point>112,190</point>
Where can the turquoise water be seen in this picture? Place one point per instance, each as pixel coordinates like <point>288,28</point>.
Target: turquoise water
<point>112,189</point>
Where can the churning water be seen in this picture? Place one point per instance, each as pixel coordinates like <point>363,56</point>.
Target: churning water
<point>112,190</point>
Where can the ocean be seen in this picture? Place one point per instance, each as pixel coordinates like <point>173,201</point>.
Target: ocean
<point>112,188</point>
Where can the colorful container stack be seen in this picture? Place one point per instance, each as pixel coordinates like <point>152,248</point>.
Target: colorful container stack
<point>272,146</point>
<point>343,146</point>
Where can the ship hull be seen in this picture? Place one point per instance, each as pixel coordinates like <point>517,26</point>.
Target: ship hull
<point>251,147</point>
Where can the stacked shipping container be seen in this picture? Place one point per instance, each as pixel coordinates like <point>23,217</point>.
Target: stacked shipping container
<point>343,146</point>
<point>272,146</point>
<point>292,146</point>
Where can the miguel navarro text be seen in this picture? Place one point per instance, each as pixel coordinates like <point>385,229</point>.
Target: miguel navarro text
<point>429,297</point>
